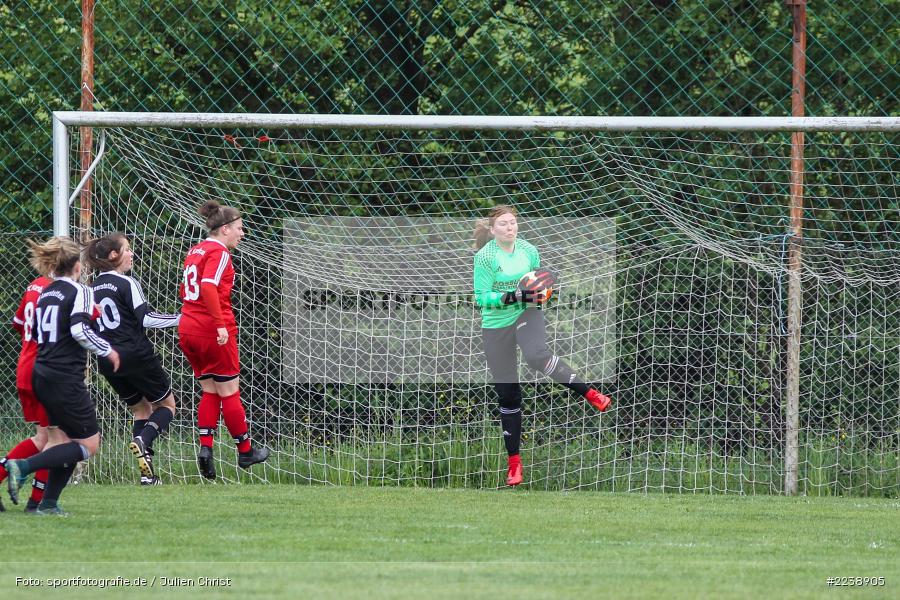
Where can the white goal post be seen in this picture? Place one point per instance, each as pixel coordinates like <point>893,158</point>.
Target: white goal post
<point>710,197</point>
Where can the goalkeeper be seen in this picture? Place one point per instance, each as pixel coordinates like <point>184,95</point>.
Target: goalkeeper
<point>510,318</point>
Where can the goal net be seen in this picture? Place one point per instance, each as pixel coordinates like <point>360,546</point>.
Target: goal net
<point>361,347</point>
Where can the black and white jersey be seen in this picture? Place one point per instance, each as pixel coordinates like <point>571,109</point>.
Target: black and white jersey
<point>125,314</point>
<point>64,331</point>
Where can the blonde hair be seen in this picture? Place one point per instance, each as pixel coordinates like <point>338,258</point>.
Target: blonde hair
<point>98,251</point>
<point>56,256</point>
<point>482,233</point>
<point>217,215</point>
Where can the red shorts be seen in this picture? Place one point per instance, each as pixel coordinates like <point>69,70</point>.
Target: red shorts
<point>32,409</point>
<point>24,370</point>
<point>208,358</point>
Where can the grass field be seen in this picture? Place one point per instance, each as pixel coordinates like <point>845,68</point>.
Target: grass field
<point>364,542</point>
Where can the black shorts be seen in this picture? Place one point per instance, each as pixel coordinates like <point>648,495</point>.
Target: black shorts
<point>138,378</point>
<point>68,403</point>
<point>529,333</point>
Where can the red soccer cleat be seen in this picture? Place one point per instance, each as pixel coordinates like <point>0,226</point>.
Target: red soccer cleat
<point>514,474</point>
<point>598,400</point>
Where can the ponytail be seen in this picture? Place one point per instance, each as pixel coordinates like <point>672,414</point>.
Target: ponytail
<point>98,251</point>
<point>482,233</point>
<point>56,256</point>
<point>217,215</point>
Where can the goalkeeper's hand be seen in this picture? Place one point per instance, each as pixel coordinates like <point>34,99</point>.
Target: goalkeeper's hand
<point>538,281</point>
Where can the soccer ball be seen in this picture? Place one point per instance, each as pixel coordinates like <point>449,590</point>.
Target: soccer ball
<point>538,285</point>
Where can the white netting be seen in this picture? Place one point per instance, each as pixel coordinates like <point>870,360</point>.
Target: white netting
<point>672,251</point>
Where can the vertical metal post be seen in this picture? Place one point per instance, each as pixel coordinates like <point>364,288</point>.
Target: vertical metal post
<point>60,178</point>
<point>795,257</point>
<point>87,104</point>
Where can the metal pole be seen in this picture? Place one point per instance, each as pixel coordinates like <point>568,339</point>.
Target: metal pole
<point>470,123</point>
<point>87,104</point>
<point>795,256</point>
<point>87,175</point>
<point>60,178</point>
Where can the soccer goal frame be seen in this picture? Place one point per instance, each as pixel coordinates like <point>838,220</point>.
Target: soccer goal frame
<point>63,192</point>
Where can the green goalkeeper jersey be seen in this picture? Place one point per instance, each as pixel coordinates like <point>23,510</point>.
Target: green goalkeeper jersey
<point>497,272</point>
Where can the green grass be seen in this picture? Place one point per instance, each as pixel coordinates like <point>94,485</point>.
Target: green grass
<point>366,542</point>
<point>475,458</point>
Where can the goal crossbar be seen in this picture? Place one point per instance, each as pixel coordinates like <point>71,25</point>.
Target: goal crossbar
<point>507,123</point>
<point>64,119</point>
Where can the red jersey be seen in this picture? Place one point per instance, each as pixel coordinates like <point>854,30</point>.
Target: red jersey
<point>209,262</point>
<point>23,322</point>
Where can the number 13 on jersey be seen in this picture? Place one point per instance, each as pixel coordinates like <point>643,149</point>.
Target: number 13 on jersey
<point>191,286</point>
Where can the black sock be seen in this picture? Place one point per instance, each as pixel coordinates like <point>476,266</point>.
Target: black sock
<point>512,429</point>
<point>579,386</point>
<point>59,477</point>
<point>39,484</point>
<point>137,427</point>
<point>57,456</point>
<point>560,372</point>
<point>156,425</point>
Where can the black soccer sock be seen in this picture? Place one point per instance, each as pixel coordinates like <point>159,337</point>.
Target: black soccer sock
<point>560,372</point>
<point>511,421</point>
<point>59,477</point>
<point>156,425</point>
<point>137,427</point>
<point>579,386</point>
<point>57,456</point>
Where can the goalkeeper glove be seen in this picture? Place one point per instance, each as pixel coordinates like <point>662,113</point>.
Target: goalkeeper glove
<point>537,281</point>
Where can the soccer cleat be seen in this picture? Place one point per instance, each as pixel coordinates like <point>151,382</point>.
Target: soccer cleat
<point>205,462</point>
<point>256,455</point>
<point>55,511</point>
<point>151,480</point>
<point>2,508</point>
<point>31,506</point>
<point>145,463</point>
<point>597,400</point>
<point>15,480</point>
<point>514,473</point>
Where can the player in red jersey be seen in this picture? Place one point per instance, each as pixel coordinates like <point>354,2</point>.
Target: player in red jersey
<point>32,410</point>
<point>207,335</point>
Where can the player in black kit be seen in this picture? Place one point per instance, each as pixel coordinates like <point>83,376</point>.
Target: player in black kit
<point>64,331</point>
<point>141,382</point>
